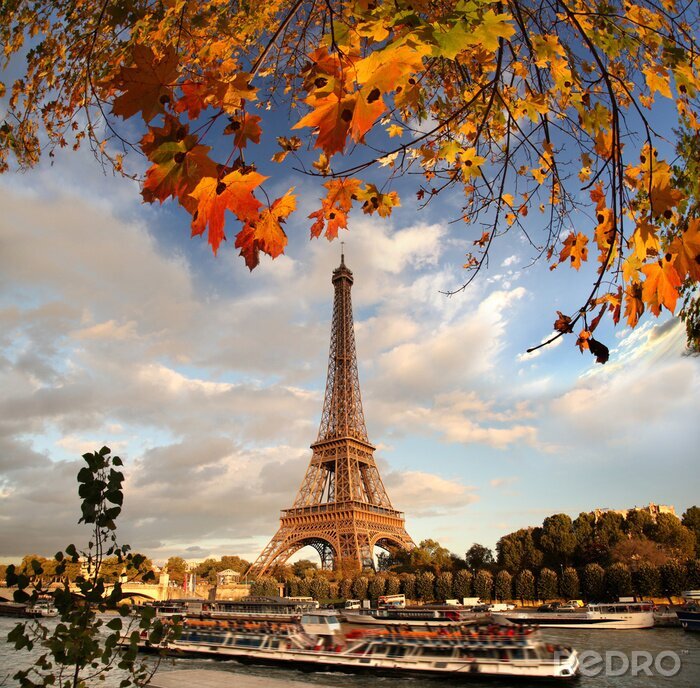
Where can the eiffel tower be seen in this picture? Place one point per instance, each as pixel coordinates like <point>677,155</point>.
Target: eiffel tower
<point>342,509</point>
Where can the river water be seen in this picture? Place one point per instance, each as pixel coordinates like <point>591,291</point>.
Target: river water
<point>670,655</point>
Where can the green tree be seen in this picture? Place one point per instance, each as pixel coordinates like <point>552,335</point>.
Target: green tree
<point>345,590</point>
<point>673,578</point>
<point>525,585</point>
<point>291,585</point>
<point>207,570</point>
<point>84,646</point>
<point>320,588</point>
<point>691,520</point>
<point>504,586</point>
<point>377,586</point>
<point>569,584</point>
<point>425,586</point>
<point>678,540</point>
<point>462,585</point>
<point>617,581</point>
<point>266,586</point>
<point>646,579</point>
<point>558,539</point>
<point>429,556</point>
<point>584,530</point>
<point>443,586</point>
<point>304,568</point>
<point>517,551</point>
<point>408,585</point>
<point>360,585</point>
<point>693,571</point>
<point>478,557</point>
<point>547,585</point>
<point>638,523</point>
<point>592,582</point>
<point>608,532</point>
<point>176,567</point>
<point>483,585</point>
<point>235,563</point>
<point>393,585</point>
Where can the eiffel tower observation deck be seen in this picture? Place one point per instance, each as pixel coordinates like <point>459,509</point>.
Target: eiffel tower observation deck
<point>342,508</point>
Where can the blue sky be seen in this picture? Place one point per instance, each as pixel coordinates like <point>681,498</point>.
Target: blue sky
<point>116,328</point>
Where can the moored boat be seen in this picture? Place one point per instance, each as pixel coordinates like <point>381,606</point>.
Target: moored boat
<point>689,617</point>
<point>413,616</point>
<point>466,651</point>
<point>615,616</point>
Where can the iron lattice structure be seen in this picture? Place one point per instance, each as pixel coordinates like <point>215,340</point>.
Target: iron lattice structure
<point>342,509</point>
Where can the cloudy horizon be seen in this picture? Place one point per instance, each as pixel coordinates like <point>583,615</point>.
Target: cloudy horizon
<point>118,329</point>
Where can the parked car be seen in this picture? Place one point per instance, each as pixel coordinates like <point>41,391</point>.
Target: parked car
<point>500,607</point>
<point>551,607</point>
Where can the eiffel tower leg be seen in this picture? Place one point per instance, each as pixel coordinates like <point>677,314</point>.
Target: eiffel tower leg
<point>278,550</point>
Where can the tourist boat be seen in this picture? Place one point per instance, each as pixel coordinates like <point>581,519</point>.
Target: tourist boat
<point>616,616</point>
<point>44,608</point>
<point>317,643</point>
<point>267,608</point>
<point>17,609</point>
<point>413,616</point>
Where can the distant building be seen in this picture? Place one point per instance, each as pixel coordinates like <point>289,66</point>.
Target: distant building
<point>227,577</point>
<point>652,509</point>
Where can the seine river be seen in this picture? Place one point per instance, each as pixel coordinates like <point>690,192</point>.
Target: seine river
<point>664,650</point>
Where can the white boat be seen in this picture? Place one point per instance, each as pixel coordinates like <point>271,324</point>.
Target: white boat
<point>43,608</point>
<point>615,616</point>
<point>413,616</point>
<point>467,651</point>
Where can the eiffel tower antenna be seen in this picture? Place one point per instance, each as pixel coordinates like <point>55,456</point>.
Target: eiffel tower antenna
<point>342,508</point>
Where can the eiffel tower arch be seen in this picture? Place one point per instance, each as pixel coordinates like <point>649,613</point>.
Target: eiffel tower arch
<point>342,508</point>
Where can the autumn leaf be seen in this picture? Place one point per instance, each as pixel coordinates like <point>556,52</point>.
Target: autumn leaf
<point>375,201</point>
<point>244,129</point>
<point>233,192</point>
<point>686,247</point>
<point>575,249</point>
<point>331,117</point>
<point>582,341</point>
<point>288,145</point>
<point>333,214</point>
<point>634,305</point>
<point>178,163</point>
<point>147,86</point>
<point>562,323</point>
<point>661,285</point>
<point>265,233</point>
<point>599,350</point>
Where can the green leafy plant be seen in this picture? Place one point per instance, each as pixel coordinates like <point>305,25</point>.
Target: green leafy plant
<point>98,632</point>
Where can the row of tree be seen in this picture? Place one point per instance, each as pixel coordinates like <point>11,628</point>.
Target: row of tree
<point>592,582</point>
<point>602,538</point>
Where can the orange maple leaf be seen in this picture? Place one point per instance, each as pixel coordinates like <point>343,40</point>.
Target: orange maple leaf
<point>575,249</point>
<point>634,306</point>
<point>661,285</point>
<point>331,116</point>
<point>333,214</point>
<point>265,233</point>
<point>244,130</point>
<point>147,85</point>
<point>234,192</point>
<point>178,165</point>
<point>368,107</point>
<point>687,250</point>
<point>375,201</point>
